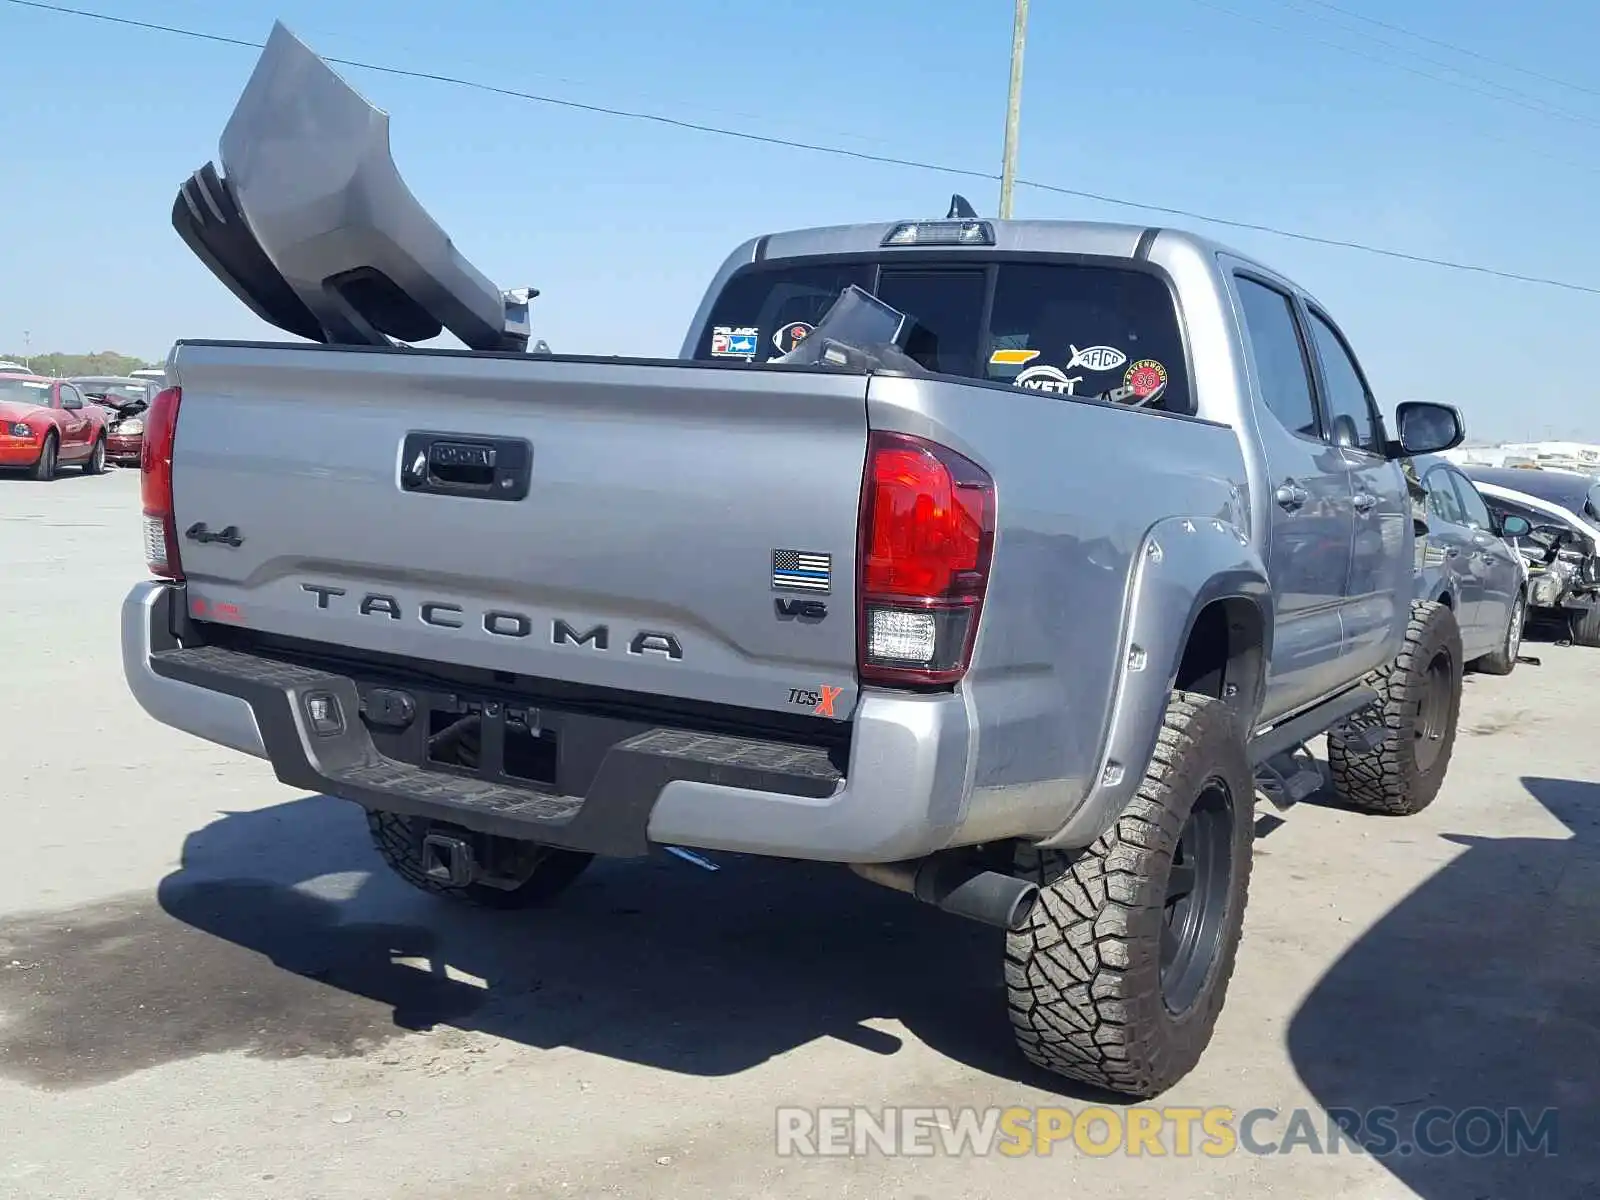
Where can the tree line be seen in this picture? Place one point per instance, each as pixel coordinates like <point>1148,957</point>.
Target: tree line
<point>102,362</point>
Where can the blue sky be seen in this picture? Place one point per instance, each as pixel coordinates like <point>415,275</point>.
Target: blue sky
<point>1187,103</point>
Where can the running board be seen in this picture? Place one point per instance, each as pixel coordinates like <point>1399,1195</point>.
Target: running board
<point>1298,730</point>
<point>1288,778</point>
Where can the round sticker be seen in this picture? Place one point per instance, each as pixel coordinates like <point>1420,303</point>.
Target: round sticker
<point>791,335</point>
<point>1145,377</point>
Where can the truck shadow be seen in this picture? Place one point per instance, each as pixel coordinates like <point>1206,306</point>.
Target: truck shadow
<point>655,962</point>
<point>1480,990</point>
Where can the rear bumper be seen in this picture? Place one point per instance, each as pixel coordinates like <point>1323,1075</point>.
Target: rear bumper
<point>124,449</point>
<point>902,793</point>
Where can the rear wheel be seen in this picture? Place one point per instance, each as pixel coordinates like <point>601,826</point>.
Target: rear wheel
<point>1414,722</point>
<point>1119,975</point>
<point>1504,660</point>
<point>1586,629</point>
<point>96,464</point>
<point>45,468</point>
<point>534,874</point>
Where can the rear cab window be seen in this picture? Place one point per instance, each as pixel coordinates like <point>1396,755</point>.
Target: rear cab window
<point>1066,328</point>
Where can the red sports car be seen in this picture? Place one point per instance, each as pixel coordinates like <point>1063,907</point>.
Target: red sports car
<point>45,423</point>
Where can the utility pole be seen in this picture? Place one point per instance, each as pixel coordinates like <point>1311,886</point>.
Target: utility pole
<point>27,349</point>
<point>1008,164</point>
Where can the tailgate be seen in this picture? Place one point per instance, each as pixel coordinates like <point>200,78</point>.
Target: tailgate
<point>686,530</point>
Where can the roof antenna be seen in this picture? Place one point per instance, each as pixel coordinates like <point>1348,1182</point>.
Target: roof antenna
<point>960,208</point>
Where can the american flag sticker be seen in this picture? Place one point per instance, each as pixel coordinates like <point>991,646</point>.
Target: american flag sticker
<point>801,571</point>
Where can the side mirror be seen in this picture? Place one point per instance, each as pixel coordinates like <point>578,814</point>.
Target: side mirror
<point>71,405</point>
<point>1515,527</point>
<point>1427,428</point>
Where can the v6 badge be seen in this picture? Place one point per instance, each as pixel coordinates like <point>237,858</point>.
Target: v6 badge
<point>805,610</point>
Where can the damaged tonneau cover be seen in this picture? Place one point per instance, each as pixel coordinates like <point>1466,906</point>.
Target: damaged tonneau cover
<point>309,223</point>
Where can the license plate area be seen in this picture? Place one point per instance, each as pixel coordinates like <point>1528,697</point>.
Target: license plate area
<point>488,738</point>
<point>493,740</point>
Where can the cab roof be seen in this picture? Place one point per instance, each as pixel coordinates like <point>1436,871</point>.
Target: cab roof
<point>1103,239</point>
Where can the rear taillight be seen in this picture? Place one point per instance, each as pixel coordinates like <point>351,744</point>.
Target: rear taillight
<point>927,537</point>
<point>155,486</point>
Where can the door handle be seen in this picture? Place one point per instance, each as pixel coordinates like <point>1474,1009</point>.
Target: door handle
<point>444,464</point>
<point>1365,502</point>
<point>1290,495</point>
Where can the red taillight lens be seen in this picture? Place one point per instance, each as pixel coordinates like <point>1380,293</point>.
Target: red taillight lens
<point>155,486</point>
<point>927,537</point>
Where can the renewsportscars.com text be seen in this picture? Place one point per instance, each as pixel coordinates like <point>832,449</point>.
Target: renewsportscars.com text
<point>1215,1132</point>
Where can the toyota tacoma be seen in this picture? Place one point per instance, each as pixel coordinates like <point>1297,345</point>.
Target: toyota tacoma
<point>1002,561</point>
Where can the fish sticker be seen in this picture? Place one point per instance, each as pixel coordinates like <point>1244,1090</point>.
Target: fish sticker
<point>791,335</point>
<point>1146,377</point>
<point>1048,379</point>
<point>1012,358</point>
<point>1096,358</point>
<point>734,341</point>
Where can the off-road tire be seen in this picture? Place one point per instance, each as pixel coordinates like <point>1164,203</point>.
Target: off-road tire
<point>1391,780</point>
<point>1504,660</point>
<point>1083,976</point>
<point>1586,628</point>
<point>45,469</point>
<point>399,841</point>
<point>95,464</point>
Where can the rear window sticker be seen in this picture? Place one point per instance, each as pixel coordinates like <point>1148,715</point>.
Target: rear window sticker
<point>1048,379</point>
<point>1145,377</point>
<point>791,335</point>
<point>734,341</point>
<point>1096,358</point>
<point>1012,358</point>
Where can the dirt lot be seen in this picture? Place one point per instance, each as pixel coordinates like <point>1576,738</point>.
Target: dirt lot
<point>209,988</point>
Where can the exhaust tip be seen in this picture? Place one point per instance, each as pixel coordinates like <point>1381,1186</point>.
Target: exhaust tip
<point>956,884</point>
<point>1022,906</point>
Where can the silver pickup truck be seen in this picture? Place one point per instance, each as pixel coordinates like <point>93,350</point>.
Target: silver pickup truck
<point>1003,561</point>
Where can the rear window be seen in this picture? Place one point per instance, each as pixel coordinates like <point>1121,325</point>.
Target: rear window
<point>1070,329</point>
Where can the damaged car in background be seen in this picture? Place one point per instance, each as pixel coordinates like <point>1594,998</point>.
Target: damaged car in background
<point>1562,547</point>
<point>1468,560</point>
<point>124,399</point>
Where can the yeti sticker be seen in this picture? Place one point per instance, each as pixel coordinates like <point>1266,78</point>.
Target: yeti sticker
<point>1048,379</point>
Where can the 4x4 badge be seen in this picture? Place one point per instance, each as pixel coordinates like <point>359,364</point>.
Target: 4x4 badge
<point>229,536</point>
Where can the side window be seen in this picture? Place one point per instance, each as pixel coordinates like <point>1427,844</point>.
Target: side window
<point>1350,407</point>
<point>1474,511</point>
<point>1280,356</point>
<point>1443,502</point>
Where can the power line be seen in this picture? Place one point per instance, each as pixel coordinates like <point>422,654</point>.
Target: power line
<point>1451,46</point>
<point>1511,96</point>
<point>842,152</point>
<point>1524,99</point>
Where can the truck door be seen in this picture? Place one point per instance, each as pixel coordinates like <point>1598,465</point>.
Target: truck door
<point>1382,578</point>
<point>1313,522</point>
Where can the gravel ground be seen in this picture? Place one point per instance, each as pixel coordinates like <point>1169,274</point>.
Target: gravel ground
<point>210,988</point>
